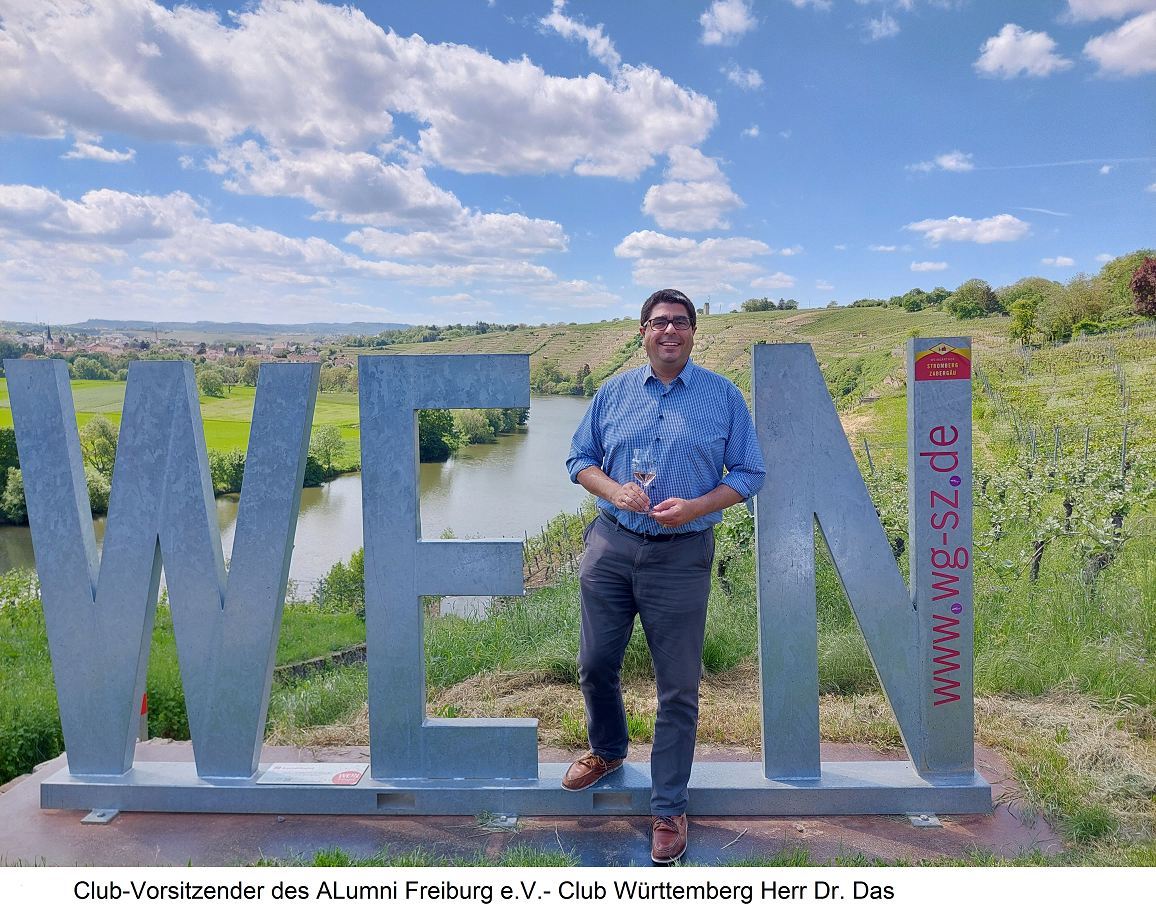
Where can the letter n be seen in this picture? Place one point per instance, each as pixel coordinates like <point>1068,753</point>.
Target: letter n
<point>812,476</point>
<point>99,616</point>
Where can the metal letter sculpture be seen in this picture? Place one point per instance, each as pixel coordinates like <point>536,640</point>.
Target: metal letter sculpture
<point>100,620</point>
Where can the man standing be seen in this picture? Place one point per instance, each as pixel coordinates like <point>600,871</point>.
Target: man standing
<point>655,561</point>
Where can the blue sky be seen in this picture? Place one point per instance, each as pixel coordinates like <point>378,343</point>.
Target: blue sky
<point>539,161</point>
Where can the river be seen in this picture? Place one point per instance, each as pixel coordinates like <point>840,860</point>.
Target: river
<point>490,490</point>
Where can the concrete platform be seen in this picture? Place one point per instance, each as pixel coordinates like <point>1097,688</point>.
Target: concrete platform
<point>31,835</point>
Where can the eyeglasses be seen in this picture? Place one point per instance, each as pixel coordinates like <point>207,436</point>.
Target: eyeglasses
<point>659,323</point>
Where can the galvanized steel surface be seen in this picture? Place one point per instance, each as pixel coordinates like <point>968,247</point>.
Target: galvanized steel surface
<point>401,567</point>
<point>812,476</point>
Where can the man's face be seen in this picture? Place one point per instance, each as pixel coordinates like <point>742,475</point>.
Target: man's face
<point>669,348</point>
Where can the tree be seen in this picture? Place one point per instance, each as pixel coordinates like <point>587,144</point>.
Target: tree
<point>914,300</point>
<point>99,489</point>
<point>247,376</point>
<point>474,426</point>
<point>85,368</point>
<point>437,440</point>
<point>227,470</point>
<point>12,506</point>
<point>211,383</point>
<point>757,305</point>
<point>9,459</point>
<point>1023,313</point>
<point>1143,287</point>
<point>98,441</point>
<point>788,304</point>
<point>1117,277</point>
<point>326,444</point>
<point>972,300</point>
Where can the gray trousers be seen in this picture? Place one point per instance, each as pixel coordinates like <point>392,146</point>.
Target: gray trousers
<point>666,584</point>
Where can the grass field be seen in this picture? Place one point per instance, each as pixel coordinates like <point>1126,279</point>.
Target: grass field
<point>227,420</point>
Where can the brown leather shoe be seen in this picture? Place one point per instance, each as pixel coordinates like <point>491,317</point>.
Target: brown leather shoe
<point>588,770</point>
<point>667,839</point>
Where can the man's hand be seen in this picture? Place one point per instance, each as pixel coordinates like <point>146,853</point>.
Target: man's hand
<point>628,497</point>
<point>631,497</point>
<point>674,512</point>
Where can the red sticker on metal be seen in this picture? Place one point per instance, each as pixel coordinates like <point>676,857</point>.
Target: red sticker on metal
<point>943,362</point>
<point>349,777</point>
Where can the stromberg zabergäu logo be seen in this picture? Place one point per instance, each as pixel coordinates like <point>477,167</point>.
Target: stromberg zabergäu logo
<point>943,362</point>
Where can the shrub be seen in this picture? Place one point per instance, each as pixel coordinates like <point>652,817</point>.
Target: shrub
<point>343,589</point>
<point>12,506</point>
<point>99,489</point>
<point>972,300</point>
<point>9,458</point>
<point>227,469</point>
<point>437,440</point>
<point>1143,287</point>
<point>474,426</point>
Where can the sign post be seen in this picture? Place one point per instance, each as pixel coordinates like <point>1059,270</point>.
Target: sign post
<point>939,490</point>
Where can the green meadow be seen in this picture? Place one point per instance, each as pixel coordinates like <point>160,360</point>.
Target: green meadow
<point>226,419</point>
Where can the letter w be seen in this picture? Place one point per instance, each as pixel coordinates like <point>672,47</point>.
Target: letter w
<point>99,615</point>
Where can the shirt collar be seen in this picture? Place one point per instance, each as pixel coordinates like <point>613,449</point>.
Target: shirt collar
<point>687,374</point>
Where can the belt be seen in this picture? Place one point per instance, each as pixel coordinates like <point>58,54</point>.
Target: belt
<point>652,537</point>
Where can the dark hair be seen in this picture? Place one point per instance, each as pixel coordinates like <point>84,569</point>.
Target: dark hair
<point>669,296</point>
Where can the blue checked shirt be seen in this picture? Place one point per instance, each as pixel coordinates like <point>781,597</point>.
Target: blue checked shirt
<point>695,427</point>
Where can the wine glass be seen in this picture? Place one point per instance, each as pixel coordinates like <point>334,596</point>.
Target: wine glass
<point>644,468</point>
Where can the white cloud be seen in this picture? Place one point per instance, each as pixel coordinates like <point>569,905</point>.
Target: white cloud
<point>351,187</point>
<point>1128,51</point>
<point>726,22</point>
<point>1079,10</point>
<point>87,147</point>
<point>1104,170</point>
<point>303,75</point>
<point>928,266</point>
<point>747,79</point>
<point>951,162</point>
<point>796,250</point>
<point>840,247</point>
<point>1060,261</point>
<point>1015,51</point>
<point>883,27</point>
<point>694,196</point>
<point>599,46</point>
<point>481,237</point>
<point>955,162</point>
<point>881,248</point>
<point>776,281</point>
<point>1151,187</point>
<point>65,245</point>
<point>1104,257</point>
<point>710,265</point>
<point>752,131</point>
<point>817,4</point>
<point>998,229</point>
<point>824,285</point>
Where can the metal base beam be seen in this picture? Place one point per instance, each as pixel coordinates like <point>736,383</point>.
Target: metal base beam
<point>717,789</point>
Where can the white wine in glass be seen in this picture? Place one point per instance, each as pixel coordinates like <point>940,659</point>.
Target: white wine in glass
<point>644,468</point>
